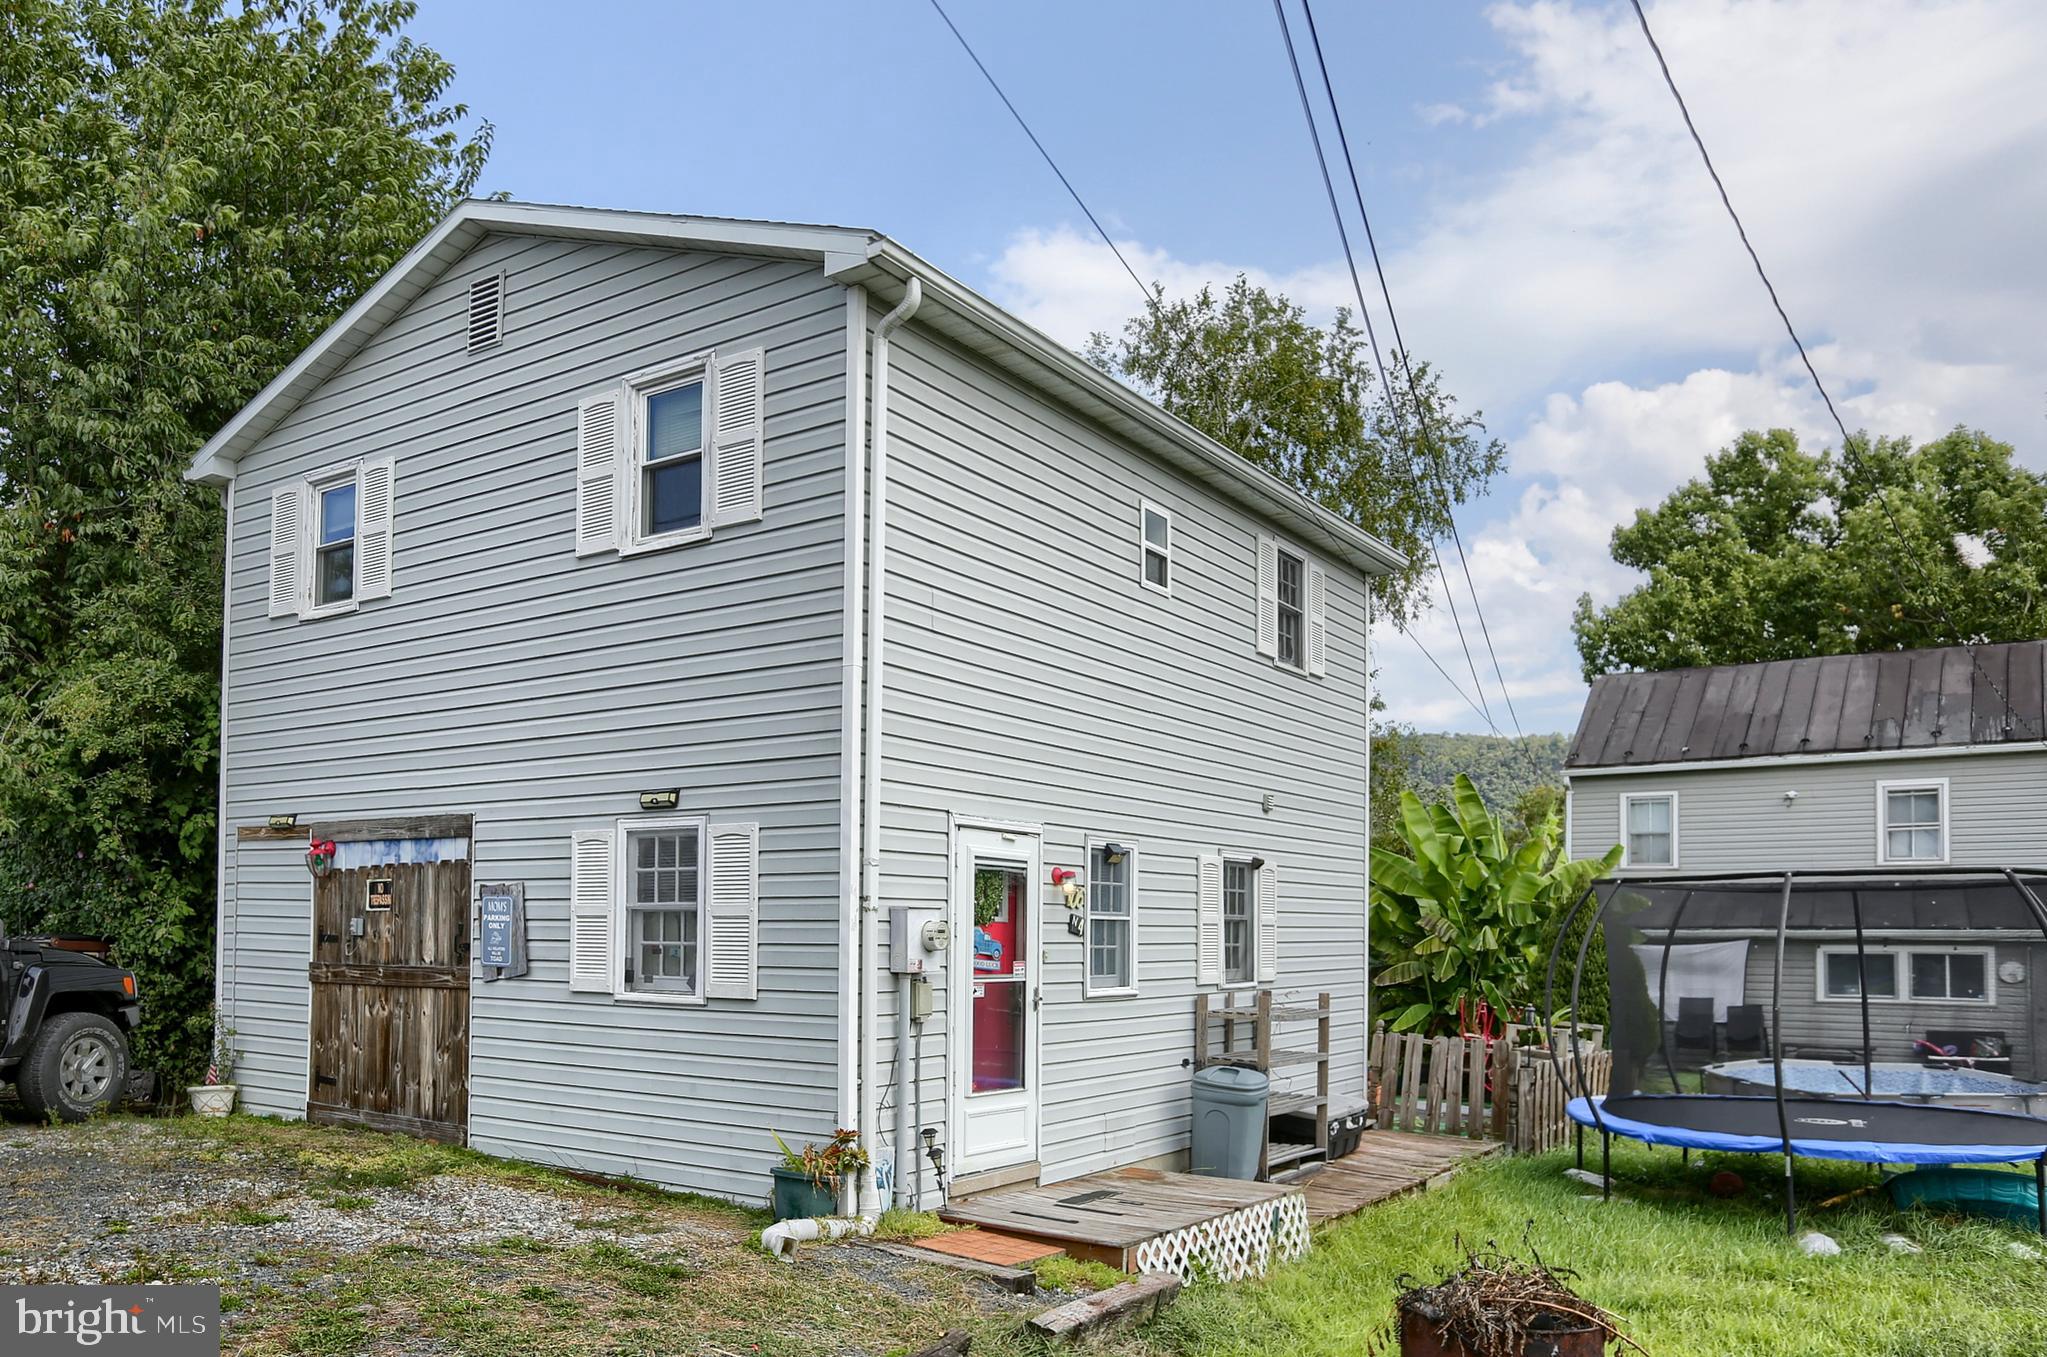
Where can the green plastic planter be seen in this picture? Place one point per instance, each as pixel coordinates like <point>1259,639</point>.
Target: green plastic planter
<point>797,1198</point>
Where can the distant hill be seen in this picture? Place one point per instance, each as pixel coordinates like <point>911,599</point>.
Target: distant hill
<point>1501,766</point>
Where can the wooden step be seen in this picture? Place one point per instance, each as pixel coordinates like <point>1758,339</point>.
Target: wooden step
<point>989,1246</point>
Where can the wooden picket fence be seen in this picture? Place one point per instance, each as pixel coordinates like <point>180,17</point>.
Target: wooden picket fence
<point>1508,1090</point>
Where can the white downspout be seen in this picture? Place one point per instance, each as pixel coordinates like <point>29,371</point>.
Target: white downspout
<point>870,812</point>
<point>852,673</point>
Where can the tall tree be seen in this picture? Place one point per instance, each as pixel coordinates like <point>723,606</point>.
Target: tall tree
<point>1778,553</point>
<point>189,192</point>
<point>1249,370</point>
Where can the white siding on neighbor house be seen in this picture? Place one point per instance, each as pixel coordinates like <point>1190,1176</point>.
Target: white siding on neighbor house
<point>1735,819</point>
<point>509,679</point>
<point>1031,677</point>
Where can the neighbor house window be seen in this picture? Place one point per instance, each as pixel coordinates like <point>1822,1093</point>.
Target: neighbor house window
<point>1293,649</point>
<point>1155,545</point>
<point>1892,973</point>
<point>1650,824</point>
<point>1955,977</point>
<point>664,882</point>
<point>1240,930</point>
<point>669,434</point>
<point>1913,824</point>
<point>1844,975</point>
<point>1111,918</point>
<point>334,548</point>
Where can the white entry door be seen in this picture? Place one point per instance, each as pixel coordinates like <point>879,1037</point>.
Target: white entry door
<point>992,999</point>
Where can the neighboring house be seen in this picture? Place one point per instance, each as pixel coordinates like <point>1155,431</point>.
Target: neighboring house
<point>550,606</point>
<point>1905,759</point>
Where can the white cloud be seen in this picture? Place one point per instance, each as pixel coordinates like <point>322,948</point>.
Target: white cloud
<point>1889,158</point>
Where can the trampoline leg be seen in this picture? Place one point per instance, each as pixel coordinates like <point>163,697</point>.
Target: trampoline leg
<point>1790,1199</point>
<point>2040,1191</point>
<point>1581,1148</point>
<point>1605,1166</point>
<point>1686,1156</point>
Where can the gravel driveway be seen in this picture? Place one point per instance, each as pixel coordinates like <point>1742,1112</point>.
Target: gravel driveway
<point>335,1241</point>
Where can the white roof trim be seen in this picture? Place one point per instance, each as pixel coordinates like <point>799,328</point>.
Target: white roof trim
<point>849,254</point>
<point>1949,751</point>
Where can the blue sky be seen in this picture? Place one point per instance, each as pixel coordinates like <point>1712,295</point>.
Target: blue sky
<point>1550,239</point>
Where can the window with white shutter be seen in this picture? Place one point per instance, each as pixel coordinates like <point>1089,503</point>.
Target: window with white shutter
<point>375,497</point>
<point>1268,923</point>
<point>1293,608</point>
<point>733,915</point>
<point>486,328</point>
<point>1208,919</point>
<point>592,902</point>
<point>598,418</point>
<point>331,539</point>
<point>287,544</point>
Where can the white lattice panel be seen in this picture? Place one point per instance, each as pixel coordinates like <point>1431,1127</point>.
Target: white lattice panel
<point>1229,1248</point>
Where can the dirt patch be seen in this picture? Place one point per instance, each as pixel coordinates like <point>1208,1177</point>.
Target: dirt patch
<point>326,1240</point>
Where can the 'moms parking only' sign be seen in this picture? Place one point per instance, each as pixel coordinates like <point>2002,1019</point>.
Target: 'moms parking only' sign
<point>118,1321</point>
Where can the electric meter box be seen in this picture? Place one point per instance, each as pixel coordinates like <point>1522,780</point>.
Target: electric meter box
<point>907,940</point>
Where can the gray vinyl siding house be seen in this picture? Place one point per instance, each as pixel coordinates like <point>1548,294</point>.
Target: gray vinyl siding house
<point>1902,760</point>
<point>489,611</point>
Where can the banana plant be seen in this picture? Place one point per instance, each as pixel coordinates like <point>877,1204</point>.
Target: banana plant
<point>1466,917</point>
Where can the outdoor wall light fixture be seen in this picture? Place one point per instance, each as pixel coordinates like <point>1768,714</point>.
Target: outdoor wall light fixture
<point>1114,853</point>
<point>666,800</point>
<point>1257,863</point>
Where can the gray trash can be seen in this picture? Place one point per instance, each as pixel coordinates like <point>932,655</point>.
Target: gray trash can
<point>1229,1120</point>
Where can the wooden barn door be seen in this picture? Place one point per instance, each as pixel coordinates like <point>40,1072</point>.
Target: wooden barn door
<point>390,981</point>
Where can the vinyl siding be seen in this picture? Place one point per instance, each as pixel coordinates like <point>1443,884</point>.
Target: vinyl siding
<point>510,680</point>
<point>1736,819</point>
<point>1031,678</point>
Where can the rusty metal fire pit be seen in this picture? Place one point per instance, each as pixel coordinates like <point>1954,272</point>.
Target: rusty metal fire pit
<point>1498,1306</point>
<point>1419,1338</point>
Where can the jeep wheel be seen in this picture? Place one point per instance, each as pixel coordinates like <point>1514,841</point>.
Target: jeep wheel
<point>77,1065</point>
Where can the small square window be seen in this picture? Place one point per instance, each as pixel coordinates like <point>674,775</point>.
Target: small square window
<point>1845,979</point>
<point>1156,547</point>
<point>1914,826</point>
<point>334,552</point>
<point>1292,649</point>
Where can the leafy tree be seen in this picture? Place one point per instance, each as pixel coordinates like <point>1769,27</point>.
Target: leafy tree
<point>1304,403</point>
<point>1777,553</point>
<point>189,193</point>
<point>1461,917</point>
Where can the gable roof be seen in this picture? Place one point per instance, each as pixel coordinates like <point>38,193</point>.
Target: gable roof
<point>1832,704</point>
<point>849,255</point>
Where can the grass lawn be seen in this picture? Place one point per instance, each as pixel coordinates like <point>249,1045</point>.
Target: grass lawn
<point>1692,1275</point>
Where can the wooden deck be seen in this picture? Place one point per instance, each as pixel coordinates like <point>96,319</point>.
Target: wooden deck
<point>1385,1164</point>
<point>1109,1217</point>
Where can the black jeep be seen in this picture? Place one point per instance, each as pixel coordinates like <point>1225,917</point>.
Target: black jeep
<point>65,1024</point>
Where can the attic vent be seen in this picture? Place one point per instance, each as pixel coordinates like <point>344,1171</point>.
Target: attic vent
<point>486,312</point>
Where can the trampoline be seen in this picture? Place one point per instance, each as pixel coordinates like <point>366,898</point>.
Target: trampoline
<point>1854,969</point>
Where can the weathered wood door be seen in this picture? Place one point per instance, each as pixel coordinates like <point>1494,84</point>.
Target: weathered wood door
<point>390,981</point>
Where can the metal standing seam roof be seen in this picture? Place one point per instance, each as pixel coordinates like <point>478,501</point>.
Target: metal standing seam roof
<point>1831,704</point>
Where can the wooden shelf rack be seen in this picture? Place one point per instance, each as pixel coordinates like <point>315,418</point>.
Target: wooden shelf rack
<point>1246,1037</point>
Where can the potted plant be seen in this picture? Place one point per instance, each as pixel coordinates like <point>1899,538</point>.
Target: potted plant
<point>1498,1306</point>
<point>807,1181</point>
<point>215,1097</point>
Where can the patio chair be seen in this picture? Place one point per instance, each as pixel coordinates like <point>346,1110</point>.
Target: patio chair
<point>1745,1030</point>
<point>1695,1027</point>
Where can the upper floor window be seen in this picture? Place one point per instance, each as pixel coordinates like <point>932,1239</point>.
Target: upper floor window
<point>1912,825</point>
<point>671,456</point>
<point>1111,918</point>
<point>1292,641</point>
<point>1155,546</point>
<point>334,552</point>
<point>1293,611</point>
<point>1651,830</point>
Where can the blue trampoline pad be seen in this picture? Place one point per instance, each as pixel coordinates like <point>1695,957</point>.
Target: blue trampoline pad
<point>1821,1128</point>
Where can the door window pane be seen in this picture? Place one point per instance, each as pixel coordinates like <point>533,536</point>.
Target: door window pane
<point>1001,980</point>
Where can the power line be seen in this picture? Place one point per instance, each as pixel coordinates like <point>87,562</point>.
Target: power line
<point>1400,353</point>
<point>1849,453</point>
<point>1483,715</point>
<point>1365,315</point>
<point>1070,189</point>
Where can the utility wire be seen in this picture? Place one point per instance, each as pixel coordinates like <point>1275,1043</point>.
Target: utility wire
<point>1848,451</point>
<point>1454,686</point>
<point>1070,189</point>
<point>1365,315</point>
<point>1401,356</point>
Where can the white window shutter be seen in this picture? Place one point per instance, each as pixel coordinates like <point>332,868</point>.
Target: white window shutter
<point>1268,924</point>
<point>737,419</point>
<point>1268,597</point>
<point>376,489</point>
<point>1208,920</point>
<point>600,458</point>
<point>732,925</point>
<point>1317,618</point>
<point>287,551</point>
<point>593,965</point>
